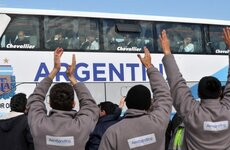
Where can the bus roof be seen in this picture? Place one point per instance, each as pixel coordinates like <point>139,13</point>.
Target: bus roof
<point>111,16</point>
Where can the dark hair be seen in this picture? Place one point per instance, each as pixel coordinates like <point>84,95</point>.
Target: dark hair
<point>138,97</point>
<point>62,97</point>
<point>209,88</point>
<point>18,102</point>
<point>108,107</point>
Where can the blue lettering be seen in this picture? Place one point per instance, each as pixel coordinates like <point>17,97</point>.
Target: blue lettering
<point>96,72</point>
<point>161,68</point>
<point>143,73</point>
<point>132,66</point>
<point>42,68</point>
<point>100,72</point>
<point>86,73</point>
<point>120,74</point>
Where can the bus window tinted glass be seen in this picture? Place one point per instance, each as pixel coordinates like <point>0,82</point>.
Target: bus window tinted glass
<point>71,33</point>
<point>127,36</point>
<point>214,40</point>
<point>183,38</point>
<point>21,33</point>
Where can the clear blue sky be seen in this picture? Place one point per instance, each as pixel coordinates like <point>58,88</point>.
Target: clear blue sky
<point>209,9</point>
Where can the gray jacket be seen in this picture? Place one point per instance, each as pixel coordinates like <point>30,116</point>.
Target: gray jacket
<point>61,130</point>
<point>140,129</point>
<point>206,122</point>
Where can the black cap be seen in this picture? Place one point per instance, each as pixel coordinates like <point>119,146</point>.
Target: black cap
<point>209,88</point>
<point>138,97</point>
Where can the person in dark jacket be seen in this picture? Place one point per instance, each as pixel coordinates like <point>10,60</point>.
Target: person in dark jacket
<point>21,40</point>
<point>14,128</point>
<point>109,115</point>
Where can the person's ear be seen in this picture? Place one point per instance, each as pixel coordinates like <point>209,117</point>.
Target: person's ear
<point>221,94</point>
<point>102,113</point>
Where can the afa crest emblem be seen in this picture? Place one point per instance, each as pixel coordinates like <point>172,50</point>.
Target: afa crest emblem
<point>7,81</point>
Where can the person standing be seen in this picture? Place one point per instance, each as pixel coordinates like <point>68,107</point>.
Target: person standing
<point>63,128</point>
<point>14,129</point>
<point>109,115</point>
<point>206,122</point>
<point>140,128</point>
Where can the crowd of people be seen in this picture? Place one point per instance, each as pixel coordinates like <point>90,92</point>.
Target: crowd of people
<point>201,125</point>
<point>72,41</point>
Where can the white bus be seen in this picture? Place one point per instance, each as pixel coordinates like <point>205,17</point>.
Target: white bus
<point>106,46</point>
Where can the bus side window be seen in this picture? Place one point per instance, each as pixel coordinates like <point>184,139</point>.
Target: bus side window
<point>127,36</point>
<point>88,34</point>
<point>215,39</point>
<point>19,33</point>
<point>183,38</point>
<point>61,32</point>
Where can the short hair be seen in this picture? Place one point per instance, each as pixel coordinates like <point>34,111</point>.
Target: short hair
<point>138,97</point>
<point>108,107</point>
<point>62,97</point>
<point>209,88</point>
<point>18,102</point>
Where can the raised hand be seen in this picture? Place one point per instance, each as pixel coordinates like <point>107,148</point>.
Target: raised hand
<point>71,69</point>
<point>57,62</point>
<point>122,102</point>
<point>57,58</point>
<point>146,60</point>
<point>227,36</point>
<point>165,43</point>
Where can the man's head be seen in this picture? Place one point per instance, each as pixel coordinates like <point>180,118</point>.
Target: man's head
<point>138,97</point>
<point>62,97</point>
<point>209,88</point>
<point>91,37</point>
<point>107,108</point>
<point>187,39</point>
<point>21,35</point>
<point>58,34</point>
<point>18,102</point>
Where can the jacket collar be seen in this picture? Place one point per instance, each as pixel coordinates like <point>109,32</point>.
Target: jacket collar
<point>133,113</point>
<point>210,102</point>
<point>60,113</point>
<point>108,118</point>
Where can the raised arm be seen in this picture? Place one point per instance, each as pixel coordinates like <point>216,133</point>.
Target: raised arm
<point>162,101</point>
<point>183,100</point>
<point>226,95</point>
<point>89,111</point>
<point>36,105</point>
